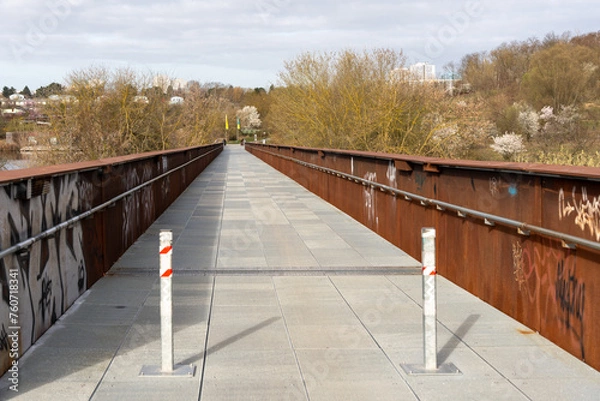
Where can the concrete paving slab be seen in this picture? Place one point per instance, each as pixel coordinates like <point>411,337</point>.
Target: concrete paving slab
<point>242,389</point>
<point>324,313</point>
<point>244,297</point>
<point>283,258</point>
<point>327,243</point>
<point>145,338</point>
<point>344,257</point>
<point>241,250</point>
<point>226,364</point>
<point>84,336</point>
<point>364,390</point>
<point>533,362</point>
<point>257,262</point>
<point>206,243</point>
<point>52,391</point>
<point>388,261</point>
<point>268,334</point>
<point>103,314</point>
<point>330,336</point>
<point>182,314</point>
<point>148,389</point>
<point>244,316</point>
<point>137,259</point>
<point>198,297</point>
<point>62,364</point>
<point>446,388</point>
<point>122,284</point>
<point>263,314</point>
<point>558,388</point>
<point>244,283</point>
<point>119,298</point>
<point>347,365</point>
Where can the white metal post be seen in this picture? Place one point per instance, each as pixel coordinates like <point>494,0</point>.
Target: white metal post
<point>167,367</point>
<point>429,298</point>
<point>166,299</point>
<point>429,272</point>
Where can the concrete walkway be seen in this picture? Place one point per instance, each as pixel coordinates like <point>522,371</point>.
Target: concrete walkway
<point>280,296</point>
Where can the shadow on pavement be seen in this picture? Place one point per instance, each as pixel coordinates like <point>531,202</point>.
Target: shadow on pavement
<point>456,339</point>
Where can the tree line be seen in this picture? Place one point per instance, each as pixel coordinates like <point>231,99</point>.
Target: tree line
<point>42,92</point>
<point>368,101</point>
<point>536,100</point>
<point>542,96</point>
<point>101,113</point>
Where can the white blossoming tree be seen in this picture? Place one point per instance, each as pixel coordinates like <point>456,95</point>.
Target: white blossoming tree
<point>249,117</point>
<point>529,121</point>
<point>560,127</point>
<point>508,145</point>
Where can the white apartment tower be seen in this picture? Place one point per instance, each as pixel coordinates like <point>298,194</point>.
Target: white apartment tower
<point>422,72</point>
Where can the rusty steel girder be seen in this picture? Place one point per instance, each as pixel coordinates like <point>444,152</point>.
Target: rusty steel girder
<point>522,237</point>
<point>65,226</point>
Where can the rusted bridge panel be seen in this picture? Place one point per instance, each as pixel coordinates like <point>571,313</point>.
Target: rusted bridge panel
<point>71,247</point>
<point>496,239</point>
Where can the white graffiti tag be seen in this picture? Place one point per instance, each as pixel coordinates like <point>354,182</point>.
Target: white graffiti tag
<point>587,211</point>
<point>369,198</point>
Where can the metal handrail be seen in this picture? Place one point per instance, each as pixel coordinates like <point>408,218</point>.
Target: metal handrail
<point>52,231</point>
<point>489,219</point>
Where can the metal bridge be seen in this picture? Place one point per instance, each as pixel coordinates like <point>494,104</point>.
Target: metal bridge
<point>281,295</point>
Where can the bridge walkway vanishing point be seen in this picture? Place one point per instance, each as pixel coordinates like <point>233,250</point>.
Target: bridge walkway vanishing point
<point>279,296</point>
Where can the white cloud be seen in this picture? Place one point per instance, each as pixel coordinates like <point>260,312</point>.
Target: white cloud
<point>245,43</point>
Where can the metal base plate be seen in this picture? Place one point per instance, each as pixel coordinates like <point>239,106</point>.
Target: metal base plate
<point>178,371</point>
<point>445,369</point>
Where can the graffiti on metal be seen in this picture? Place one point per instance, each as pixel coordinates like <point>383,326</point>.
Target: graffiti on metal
<point>570,295</point>
<point>370,201</point>
<point>420,179</point>
<point>142,202</point>
<point>548,277</point>
<point>391,174</point>
<point>500,187</point>
<point>53,244</point>
<point>42,282</point>
<point>502,206</point>
<point>585,210</point>
<point>519,272</point>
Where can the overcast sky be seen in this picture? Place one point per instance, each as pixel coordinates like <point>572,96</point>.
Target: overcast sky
<point>246,42</point>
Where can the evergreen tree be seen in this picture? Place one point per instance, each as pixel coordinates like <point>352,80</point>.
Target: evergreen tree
<point>6,91</point>
<point>52,89</point>
<point>26,92</point>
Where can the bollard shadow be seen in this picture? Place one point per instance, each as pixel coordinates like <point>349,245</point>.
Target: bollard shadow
<point>228,341</point>
<point>456,338</point>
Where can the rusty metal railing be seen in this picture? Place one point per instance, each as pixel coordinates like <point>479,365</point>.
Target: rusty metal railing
<point>523,228</point>
<point>68,223</point>
<point>523,237</point>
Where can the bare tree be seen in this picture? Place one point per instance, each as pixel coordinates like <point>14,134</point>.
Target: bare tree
<point>560,75</point>
<point>356,100</point>
<point>104,114</point>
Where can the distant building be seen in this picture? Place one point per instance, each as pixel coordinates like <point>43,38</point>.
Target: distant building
<point>179,84</point>
<point>419,72</point>
<point>399,75</point>
<point>422,72</point>
<point>164,82</point>
<point>16,97</point>
<point>176,100</point>
<point>141,99</point>
<point>13,112</point>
